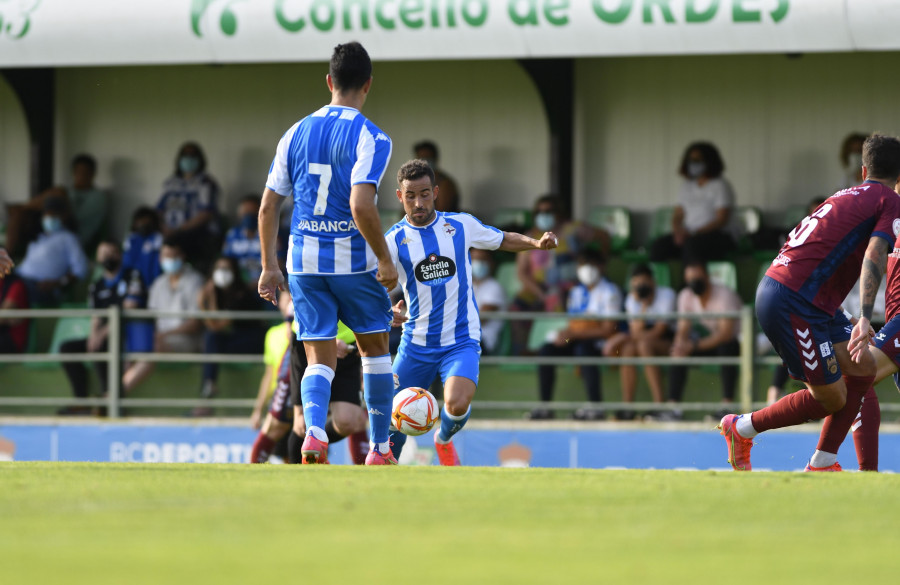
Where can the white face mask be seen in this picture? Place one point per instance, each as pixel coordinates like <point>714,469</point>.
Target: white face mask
<point>854,161</point>
<point>544,221</point>
<point>222,277</point>
<point>480,269</point>
<point>588,274</point>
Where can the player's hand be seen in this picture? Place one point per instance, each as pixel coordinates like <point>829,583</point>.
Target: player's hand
<point>548,241</point>
<point>270,282</point>
<point>6,263</point>
<point>859,339</point>
<point>255,419</point>
<point>387,275</point>
<point>343,350</point>
<point>399,314</point>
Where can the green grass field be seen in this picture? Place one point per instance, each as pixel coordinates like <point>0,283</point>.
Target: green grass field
<point>111,523</point>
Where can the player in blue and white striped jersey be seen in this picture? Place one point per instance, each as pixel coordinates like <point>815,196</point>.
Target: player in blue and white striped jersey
<point>332,162</point>
<point>442,333</point>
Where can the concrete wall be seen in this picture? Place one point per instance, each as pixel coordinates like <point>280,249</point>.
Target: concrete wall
<point>485,116</point>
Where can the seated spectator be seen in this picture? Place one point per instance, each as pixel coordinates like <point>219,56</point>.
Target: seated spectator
<point>645,338</point>
<point>143,244</point>
<point>89,203</point>
<point>226,291</point>
<point>115,287</point>
<point>547,275</point>
<point>242,241</point>
<point>594,295</point>
<point>851,159</point>
<point>712,336</point>
<point>13,331</point>
<point>449,199</point>
<point>54,260</point>
<point>176,289</point>
<point>701,224</point>
<point>489,296</point>
<point>188,206</point>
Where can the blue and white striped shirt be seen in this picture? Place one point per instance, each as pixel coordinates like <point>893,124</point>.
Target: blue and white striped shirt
<point>436,275</point>
<point>317,161</point>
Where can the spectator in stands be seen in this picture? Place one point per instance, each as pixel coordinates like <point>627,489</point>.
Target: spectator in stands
<point>13,331</point>
<point>227,291</point>
<point>143,244</point>
<point>54,260</point>
<point>701,223</point>
<point>710,336</point>
<point>489,296</point>
<point>242,241</point>
<point>449,199</point>
<point>593,295</point>
<point>547,275</point>
<point>851,159</point>
<point>645,337</point>
<point>188,206</point>
<point>116,286</point>
<point>89,203</point>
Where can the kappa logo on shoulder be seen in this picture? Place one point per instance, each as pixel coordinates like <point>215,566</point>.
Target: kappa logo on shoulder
<point>405,241</point>
<point>382,136</point>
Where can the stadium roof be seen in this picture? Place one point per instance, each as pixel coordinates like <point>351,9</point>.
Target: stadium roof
<point>37,33</point>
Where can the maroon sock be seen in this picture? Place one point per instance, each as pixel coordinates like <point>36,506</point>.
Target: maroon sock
<point>358,443</point>
<point>836,426</point>
<point>865,432</point>
<point>794,409</point>
<point>262,449</point>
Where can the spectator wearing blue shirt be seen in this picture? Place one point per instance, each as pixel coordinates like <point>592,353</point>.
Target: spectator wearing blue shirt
<point>188,207</point>
<point>54,259</point>
<point>242,241</point>
<point>142,245</point>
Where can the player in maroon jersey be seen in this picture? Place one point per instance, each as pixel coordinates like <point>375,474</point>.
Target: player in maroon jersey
<point>846,238</point>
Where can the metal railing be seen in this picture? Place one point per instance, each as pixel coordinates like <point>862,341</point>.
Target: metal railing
<point>115,357</point>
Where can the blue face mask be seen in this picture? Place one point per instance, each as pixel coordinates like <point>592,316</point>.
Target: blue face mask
<point>51,224</point>
<point>248,222</point>
<point>171,265</point>
<point>189,164</point>
<point>480,269</point>
<point>544,221</point>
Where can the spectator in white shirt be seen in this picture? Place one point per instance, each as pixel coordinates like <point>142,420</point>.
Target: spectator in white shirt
<point>489,296</point>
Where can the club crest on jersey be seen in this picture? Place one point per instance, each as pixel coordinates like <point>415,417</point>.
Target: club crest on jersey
<point>435,270</point>
<point>449,229</point>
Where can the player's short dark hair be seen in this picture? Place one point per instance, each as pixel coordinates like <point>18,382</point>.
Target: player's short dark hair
<point>881,157</point>
<point>642,269</point>
<point>147,213</point>
<point>193,146</point>
<point>86,160</point>
<point>252,198</point>
<point>714,164</point>
<point>426,145</point>
<point>591,256</point>
<point>415,169</point>
<point>350,66</point>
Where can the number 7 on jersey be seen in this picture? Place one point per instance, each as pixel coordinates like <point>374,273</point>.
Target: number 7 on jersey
<point>324,172</point>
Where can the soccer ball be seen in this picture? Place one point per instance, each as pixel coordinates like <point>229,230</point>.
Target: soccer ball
<point>415,411</point>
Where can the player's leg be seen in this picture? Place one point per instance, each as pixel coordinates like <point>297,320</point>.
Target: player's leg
<point>348,417</point>
<point>272,431</point>
<point>459,372</point>
<point>315,311</point>
<point>414,366</point>
<point>298,433</point>
<point>364,306</point>
<point>886,353</point>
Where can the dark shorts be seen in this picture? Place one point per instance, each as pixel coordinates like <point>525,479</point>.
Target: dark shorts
<point>347,376</point>
<point>282,406</point>
<point>888,341</point>
<point>802,334</point>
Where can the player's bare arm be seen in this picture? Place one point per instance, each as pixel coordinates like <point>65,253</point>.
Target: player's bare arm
<point>271,279</point>
<point>515,242</point>
<point>365,214</point>
<point>873,268</point>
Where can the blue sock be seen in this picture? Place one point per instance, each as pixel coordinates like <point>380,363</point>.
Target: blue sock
<point>398,439</point>
<point>378,389</point>
<point>315,391</point>
<point>450,425</point>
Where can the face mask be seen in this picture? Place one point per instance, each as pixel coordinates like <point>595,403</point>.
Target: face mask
<point>111,264</point>
<point>695,169</point>
<point>854,161</point>
<point>171,265</point>
<point>698,285</point>
<point>588,274</point>
<point>480,269</point>
<point>643,291</point>
<point>188,164</point>
<point>144,229</point>
<point>544,221</point>
<point>248,222</point>
<point>222,277</point>
<point>51,224</point>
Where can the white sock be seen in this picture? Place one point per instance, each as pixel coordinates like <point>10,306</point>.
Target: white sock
<point>384,448</point>
<point>744,427</point>
<point>822,459</point>
<point>437,437</point>
<point>318,433</point>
